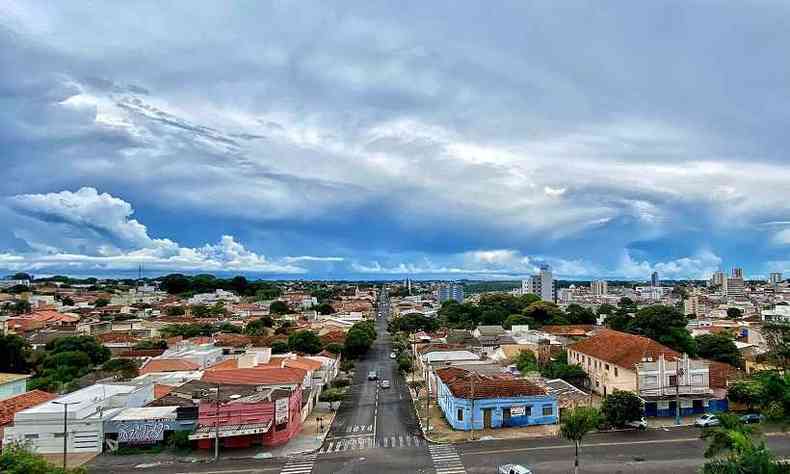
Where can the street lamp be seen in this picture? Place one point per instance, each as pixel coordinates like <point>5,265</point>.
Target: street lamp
<point>65,427</point>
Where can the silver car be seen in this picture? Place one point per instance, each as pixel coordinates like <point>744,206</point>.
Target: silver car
<point>385,384</point>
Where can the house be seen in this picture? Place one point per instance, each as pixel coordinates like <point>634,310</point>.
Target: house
<point>474,401</point>
<point>615,360</point>
<point>488,331</point>
<point>12,384</point>
<point>161,364</point>
<point>10,406</point>
<point>41,426</point>
<point>144,425</point>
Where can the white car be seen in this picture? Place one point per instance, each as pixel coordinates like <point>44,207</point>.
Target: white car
<point>513,469</point>
<point>393,355</point>
<point>707,420</point>
<point>640,424</point>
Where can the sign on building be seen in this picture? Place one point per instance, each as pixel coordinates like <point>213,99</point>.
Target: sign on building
<point>141,432</point>
<point>518,411</point>
<point>281,411</point>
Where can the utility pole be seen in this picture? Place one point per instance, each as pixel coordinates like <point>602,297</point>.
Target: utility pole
<point>427,401</point>
<point>216,429</point>
<point>472,390</point>
<point>678,373</point>
<point>65,428</point>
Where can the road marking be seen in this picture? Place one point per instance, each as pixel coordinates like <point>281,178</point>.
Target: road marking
<point>446,460</point>
<point>299,465</point>
<point>234,471</point>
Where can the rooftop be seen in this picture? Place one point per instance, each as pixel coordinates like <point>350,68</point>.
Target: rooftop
<point>8,378</point>
<point>10,406</point>
<point>465,384</point>
<point>168,365</point>
<point>622,349</point>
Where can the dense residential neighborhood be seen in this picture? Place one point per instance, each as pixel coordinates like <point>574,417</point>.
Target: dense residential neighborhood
<point>162,365</point>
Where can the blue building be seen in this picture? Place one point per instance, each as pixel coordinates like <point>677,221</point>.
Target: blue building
<point>469,399</point>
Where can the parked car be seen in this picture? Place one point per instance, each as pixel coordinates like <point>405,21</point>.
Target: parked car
<point>707,420</point>
<point>385,384</point>
<point>393,355</point>
<point>750,418</point>
<point>640,424</point>
<point>513,469</point>
<point>372,375</point>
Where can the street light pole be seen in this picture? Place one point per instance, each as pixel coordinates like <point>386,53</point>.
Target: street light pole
<point>65,428</point>
<point>216,429</point>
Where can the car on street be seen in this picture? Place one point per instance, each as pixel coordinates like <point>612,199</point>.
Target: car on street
<point>513,469</point>
<point>639,424</point>
<point>372,375</point>
<point>385,384</point>
<point>750,418</point>
<point>707,420</point>
<point>393,355</point>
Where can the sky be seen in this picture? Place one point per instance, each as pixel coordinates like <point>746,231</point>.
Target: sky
<point>366,139</point>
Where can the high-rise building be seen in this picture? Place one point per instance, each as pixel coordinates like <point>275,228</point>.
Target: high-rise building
<point>775,278</point>
<point>451,291</point>
<point>692,306</point>
<point>654,281</point>
<point>541,284</point>
<point>737,272</point>
<point>735,288</point>
<point>599,287</point>
<point>718,279</point>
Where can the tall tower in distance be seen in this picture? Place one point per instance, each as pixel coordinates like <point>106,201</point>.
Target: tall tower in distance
<point>654,281</point>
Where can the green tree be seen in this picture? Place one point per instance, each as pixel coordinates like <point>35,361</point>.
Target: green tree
<point>15,351</point>
<point>526,362</point>
<point>334,348</point>
<point>176,284</point>
<point>544,312</point>
<point>734,313</point>
<point>200,311</point>
<point>664,324</point>
<point>101,302</point>
<point>21,307</point>
<point>279,347</point>
<point>720,438</point>
<point>89,345</point>
<point>125,368</point>
<point>258,327</point>
<point>175,311</point>
<point>577,314</point>
<point>18,459</point>
<point>575,425</point>
<point>67,301</point>
<point>733,447</point>
<point>607,309</point>
<point>719,347</point>
<point>358,340</point>
<point>459,315</point>
<point>559,368</point>
<point>279,307</point>
<point>325,308</point>
<point>516,320</point>
<point>405,363</point>
<point>621,407</point>
<point>305,341</point>
<point>777,338</point>
<point>332,396</point>
<point>413,322</point>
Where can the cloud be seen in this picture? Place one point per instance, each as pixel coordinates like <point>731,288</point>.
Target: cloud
<point>57,225</point>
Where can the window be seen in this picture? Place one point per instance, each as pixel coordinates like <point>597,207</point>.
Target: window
<point>615,372</point>
<point>32,436</point>
<point>58,435</point>
<point>548,410</point>
<point>697,379</point>
<point>460,414</point>
<point>663,405</point>
<point>607,367</point>
<point>686,403</point>
<point>673,380</point>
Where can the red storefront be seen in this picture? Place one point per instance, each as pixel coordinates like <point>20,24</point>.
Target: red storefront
<point>268,417</point>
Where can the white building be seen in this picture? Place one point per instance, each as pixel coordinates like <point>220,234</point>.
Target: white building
<point>541,284</point>
<point>599,287</point>
<point>775,278</point>
<point>41,427</point>
<point>780,314</point>
<point>717,279</point>
<point>451,291</point>
<point>204,355</point>
<point>216,297</point>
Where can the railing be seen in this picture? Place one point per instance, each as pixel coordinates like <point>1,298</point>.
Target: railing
<point>682,390</point>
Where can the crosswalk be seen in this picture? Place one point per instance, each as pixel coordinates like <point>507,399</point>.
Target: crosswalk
<point>354,429</point>
<point>445,459</point>
<point>354,443</point>
<point>299,465</point>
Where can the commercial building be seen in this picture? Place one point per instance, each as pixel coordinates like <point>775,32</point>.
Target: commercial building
<point>451,291</point>
<point>542,284</point>
<point>717,279</point>
<point>775,278</point>
<point>654,281</point>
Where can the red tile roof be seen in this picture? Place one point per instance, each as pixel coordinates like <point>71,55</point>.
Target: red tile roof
<point>232,340</point>
<point>722,374</point>
<point>162,390</point>
<point>302,363</point>
<point>338,337</point>
<point>10,406</point>
<point>622,349</point>
<point>168,365</point>
<point>256,376</point>
<point>568,329</point>
<point>462,383</point>
<point>116,337</point>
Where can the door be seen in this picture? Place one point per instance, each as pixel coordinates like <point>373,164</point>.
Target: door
<point>506,416</point>
<point>486,417</point>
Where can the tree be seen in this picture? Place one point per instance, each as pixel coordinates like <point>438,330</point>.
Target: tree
<point>720,438</point>
<point>96,352</point>
<point>575,425</point>
<point>284,327</point>
<point>334,348</point>
<point>405,363</point>
<point>526,362</point>
<point>258,327</point>
<point>67,301</point>
<point>559,368</point>
<point>719,347</point>
<point>331,396</point>
<point>20,276</point>
<point>359,339</point>
<point>777,337</point>
<point>621,407</point>
<point>606,308</point>
<point>734,313</point>
<point>325,308</point>
<point>279,347</point>
<point>666,325</point>
<point>413,322</point>
<point>305,341</point>
<point>493,317</point>
<point>544,312</point>
<point>459,315</point>
<point>101,302</point>
<point>200,311</point>
<point>176,284</point>
<point>279,307</point>
<point>15,351</point>
<point>577,314</point>
<point>736,442</point>
<point>125,368</point>
<point>21,307</point>
<point>175,311</point>
<point>517,320</point>
<point>18,459</point>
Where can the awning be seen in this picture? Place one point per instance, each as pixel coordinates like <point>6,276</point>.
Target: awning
<point>227,431</point>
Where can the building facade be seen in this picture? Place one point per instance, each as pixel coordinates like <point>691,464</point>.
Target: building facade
<point>451,292</point>
<point>542,284</point>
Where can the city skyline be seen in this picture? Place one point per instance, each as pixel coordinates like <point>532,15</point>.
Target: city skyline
<point>361,141</point>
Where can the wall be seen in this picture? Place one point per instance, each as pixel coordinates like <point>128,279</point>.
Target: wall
<point>11,389</point>
<point>607,380</point>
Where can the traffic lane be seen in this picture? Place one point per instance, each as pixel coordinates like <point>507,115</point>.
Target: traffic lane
<point>379,461</point>
<point>224,466</point>
<point>678,453</point>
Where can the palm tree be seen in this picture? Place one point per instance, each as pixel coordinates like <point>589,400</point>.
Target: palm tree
<point>576,424</point>
<point>743,454</point>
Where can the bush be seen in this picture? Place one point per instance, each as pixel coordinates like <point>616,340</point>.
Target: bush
<point>18,459</point>
<point>620,407</point>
